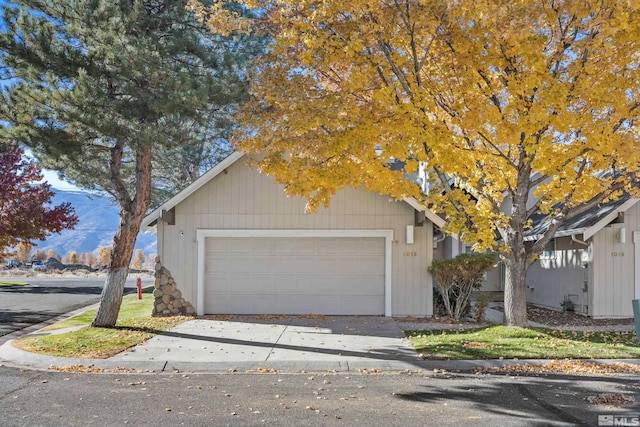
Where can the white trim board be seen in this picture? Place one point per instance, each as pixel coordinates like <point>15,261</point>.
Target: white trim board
<point>203,234</point>
<point>591,231</point>
<point>636,243</point>
<point>440,222</point>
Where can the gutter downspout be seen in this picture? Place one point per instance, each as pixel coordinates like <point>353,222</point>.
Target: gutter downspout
<point>437,240</point>
<point>573,238</point>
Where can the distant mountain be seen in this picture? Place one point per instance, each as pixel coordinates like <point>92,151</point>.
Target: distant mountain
<point>98,221</point>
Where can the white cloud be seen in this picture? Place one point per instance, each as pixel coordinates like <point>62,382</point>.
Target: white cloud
<point>52,178</point>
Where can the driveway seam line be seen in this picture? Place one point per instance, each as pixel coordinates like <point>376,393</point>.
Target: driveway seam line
<point>275,344</point>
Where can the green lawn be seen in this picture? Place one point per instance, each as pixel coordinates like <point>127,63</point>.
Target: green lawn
<point>12,283</point>
<point>135,325</point>
<point>498,341</point>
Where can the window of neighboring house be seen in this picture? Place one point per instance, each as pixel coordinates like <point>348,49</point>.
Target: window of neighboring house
<point>549,250</point>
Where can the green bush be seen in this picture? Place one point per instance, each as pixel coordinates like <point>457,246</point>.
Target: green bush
<point>457,277</point>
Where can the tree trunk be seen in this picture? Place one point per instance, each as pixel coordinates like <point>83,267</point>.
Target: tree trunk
<point>515,296</point>
<point>131,214</point>
<point>111,298</point>
<point>123,244</point>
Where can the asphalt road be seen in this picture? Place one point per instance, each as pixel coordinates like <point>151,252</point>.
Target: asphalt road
<point>46,298</point>
<point>305,399</point>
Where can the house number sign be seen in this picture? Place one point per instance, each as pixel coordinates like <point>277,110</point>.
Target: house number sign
<point>410,253</point>
<point>617,253</point>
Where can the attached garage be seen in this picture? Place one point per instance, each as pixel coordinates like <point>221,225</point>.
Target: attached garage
<point>340,272</point>
<point>235,243</point>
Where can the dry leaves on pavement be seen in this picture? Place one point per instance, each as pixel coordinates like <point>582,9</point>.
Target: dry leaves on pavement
<point>566,367</point>
<point>610,399</point>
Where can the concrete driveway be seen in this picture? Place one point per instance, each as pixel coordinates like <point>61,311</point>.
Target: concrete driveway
<point>279,342</point>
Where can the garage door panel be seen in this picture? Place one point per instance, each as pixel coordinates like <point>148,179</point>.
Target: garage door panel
<point>264,246</point>
<point>327,246</point>
<point>363,265</point>
<point>365,285</point>
<point>307,247</point>
<point>361,246</point>
<point>271,304</point>
<point>304,265</point>
<point>350,245</point>
<point>294,275</point>
<point>285,246</point>
<point>238,246</point>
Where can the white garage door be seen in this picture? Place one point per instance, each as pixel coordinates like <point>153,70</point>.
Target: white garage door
<point>297,275</point>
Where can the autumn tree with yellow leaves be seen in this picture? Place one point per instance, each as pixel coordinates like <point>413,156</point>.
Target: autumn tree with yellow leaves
<point>515,107</point>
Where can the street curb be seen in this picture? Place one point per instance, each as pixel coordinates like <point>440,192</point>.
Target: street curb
<point>29,330</point>
<point>14,357</point>
<point>36,327</point>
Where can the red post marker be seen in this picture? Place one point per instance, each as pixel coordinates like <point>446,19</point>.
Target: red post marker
<point>139,285</point>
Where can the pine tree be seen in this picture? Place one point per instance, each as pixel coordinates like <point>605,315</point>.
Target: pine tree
<point>99,87</point>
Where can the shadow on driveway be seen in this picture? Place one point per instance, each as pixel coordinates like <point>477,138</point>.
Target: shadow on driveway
<point>285,339</point>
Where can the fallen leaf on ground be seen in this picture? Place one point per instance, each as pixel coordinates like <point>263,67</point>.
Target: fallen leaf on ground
<point>566,366</point>
<point>611,399</point>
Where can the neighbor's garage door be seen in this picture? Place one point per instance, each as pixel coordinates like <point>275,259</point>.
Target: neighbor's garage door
<point>297,275</point>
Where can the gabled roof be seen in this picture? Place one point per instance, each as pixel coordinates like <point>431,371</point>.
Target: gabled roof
<point>151,219</point>
<point>588,223</point>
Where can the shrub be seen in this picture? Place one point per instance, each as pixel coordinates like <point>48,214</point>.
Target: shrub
<point>457,277</point>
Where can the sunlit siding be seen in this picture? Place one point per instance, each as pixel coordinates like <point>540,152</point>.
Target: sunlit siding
<point>241,198</point>
<point>614,268</point>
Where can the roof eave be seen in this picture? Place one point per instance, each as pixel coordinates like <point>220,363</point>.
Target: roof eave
<point>606,220</point>
<point>427,212</point>
<point>152,219</point>
<point>563,233</point>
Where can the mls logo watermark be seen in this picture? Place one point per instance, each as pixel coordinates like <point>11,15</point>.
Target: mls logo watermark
<point>619,420</point>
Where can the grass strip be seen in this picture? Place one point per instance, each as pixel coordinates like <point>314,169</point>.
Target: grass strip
<point>496,342</point>
<point>12,283</point>
<point>134,326</point>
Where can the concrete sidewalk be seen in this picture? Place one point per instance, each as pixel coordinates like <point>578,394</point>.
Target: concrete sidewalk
<point>266,343</point>
<point>248,343</point>
<point>291,343</point>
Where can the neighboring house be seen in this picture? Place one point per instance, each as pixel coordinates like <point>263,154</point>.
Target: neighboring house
<point>592,266</point>
<point>236,243</point>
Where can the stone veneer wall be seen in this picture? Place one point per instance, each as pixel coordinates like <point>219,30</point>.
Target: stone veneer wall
<point>168,298</point>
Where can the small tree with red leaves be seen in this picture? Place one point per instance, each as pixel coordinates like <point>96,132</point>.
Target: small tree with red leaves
<point>25,211</point>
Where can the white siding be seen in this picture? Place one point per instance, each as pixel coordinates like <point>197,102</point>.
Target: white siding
<point>613,269</point>
<point>494,279</point>
<point>605,287</point>
<point>242,198</point>
<point>550,280</point>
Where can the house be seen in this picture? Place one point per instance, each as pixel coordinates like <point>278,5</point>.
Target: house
<point>236,243</point>
<point>592,266</point>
